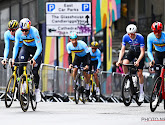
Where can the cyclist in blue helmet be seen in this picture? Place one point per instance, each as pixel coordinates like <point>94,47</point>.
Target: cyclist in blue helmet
<point>82,55</point>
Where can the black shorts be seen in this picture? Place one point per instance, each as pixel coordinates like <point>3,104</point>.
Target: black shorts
<point>131,55</point>
<point>93,64</point>
<point>80,60</point>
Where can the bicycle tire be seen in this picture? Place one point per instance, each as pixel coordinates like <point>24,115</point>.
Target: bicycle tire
<point>164,104</point>
<point>77,91</point>
<point>156,92</point>
<point>127,100</point>
<point>10,91</point>
<point>24,96</point>
<point>32,93</point>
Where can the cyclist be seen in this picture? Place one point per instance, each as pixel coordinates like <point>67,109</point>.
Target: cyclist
<point>137,50</point>
<point>95,63</point>
<point>9,36</point>
<point>156,38</point>
<point>82,55</point>
<point>31,46</point>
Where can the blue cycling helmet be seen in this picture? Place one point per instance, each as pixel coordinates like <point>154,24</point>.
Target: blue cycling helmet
<point>73,35</point>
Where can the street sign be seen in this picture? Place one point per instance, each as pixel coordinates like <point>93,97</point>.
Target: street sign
<point>64,30</point>
<point>65,17</point>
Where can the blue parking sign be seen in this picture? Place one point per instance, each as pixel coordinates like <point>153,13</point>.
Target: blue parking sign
<point>85,7</point>
<point>51,7</point>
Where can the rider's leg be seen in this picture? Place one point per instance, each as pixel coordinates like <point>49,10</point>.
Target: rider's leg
<point>141,80</point>
<point>125,69</point>
<point>97,84</point>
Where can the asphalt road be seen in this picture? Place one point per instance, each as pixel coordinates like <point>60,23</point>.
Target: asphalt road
<point>68,113</point>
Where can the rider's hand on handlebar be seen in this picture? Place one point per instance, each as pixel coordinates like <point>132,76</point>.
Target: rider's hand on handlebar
<point>4,61</point>
<point>12,62</point>
<point>136,63</point>
<point>70,66</point>
<point>86,67</point>
<point>97,70</point>
<point>118,63</point>
<point>152,63</point>
<point>32,62</point>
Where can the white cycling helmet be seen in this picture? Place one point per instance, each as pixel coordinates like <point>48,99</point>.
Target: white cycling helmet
<point>131,28</point>
<point>25,23</point>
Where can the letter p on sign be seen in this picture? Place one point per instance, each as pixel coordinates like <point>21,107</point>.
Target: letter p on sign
<point>85,7</point>
<point>51,7</point>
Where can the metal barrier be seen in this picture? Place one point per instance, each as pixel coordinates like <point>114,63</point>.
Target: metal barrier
<point>56,84</point>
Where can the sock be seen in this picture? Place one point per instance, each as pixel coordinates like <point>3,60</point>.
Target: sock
<point>141,88</point>
<point>97,89</point>
<point>87,86</point>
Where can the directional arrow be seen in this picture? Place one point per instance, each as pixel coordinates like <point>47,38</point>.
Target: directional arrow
<point>50,30</point>
<point>87,17</point>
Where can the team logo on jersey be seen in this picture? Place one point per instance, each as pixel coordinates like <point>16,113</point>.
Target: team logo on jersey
<point>37,37</point>
<point>155,39</point>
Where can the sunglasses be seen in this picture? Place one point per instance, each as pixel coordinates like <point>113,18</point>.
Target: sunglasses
<point>158,31</point>
<point>12,30</point>
<point>94,48</point>
<point>131,34</point>
<point>24,30</point>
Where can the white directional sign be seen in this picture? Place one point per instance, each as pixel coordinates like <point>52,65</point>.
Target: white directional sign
<point>65,17</point>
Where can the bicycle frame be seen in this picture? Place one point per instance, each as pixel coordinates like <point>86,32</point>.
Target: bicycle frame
<point>24,73</point>
<point>162,82</point>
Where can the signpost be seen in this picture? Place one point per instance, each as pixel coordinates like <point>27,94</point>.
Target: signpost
<point>65,17</point>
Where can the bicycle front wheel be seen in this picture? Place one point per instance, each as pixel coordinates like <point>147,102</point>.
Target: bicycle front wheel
<point>156,94</point>
<point>77,91</point>
<point>24,93</point>
<point>32,93</point>
<point>127,90</point>
<point>10,91</point>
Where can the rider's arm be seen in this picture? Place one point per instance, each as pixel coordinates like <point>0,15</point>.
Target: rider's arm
<point>88,58</point>
<point>7,45</point>
<point>142,49</point>
<point>16,45</point>
<point>142,52</point>
<point>149,48</point>
<point>38,44</point>
<point>122,51</point>
<point>70,58</point>
<point>99,60</point>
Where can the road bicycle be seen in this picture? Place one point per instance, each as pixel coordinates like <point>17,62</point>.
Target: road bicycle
<point>79,89</point>
<point>26,89</point>
<point>130,86</point>
<point>92,87</point>
<point>11,88</point>
<point>158,91</point>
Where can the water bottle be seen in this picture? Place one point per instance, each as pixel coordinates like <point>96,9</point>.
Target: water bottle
<point>134,79</point>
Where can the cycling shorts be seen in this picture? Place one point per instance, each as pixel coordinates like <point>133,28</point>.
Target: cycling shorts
<point>131,55</point>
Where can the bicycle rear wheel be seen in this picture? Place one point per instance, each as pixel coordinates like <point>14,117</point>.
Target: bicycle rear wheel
<point>156,94</point>
<point>10,91</point>
<point>127,87</point>
<point>32,93</point>
<point>83,94</point>
<point>24,93</point>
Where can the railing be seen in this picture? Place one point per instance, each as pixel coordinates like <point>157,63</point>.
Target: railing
<point>56,84</point>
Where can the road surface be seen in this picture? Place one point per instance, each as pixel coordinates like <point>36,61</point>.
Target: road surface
<point>68,113</point>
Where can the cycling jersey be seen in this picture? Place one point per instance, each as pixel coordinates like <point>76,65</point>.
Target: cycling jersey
<point>80,50</point>
<point>9,38</point>
<point>32,39</point>
<point>159,44</point>
<point>135,44</point>
<point>96,56</point>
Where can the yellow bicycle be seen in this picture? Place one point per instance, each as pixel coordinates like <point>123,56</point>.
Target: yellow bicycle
<point>28,93</point>
<point>11,88</point>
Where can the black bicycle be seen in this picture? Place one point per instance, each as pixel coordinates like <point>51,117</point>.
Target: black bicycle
<point>79,89</point>
<point>130,86</point>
